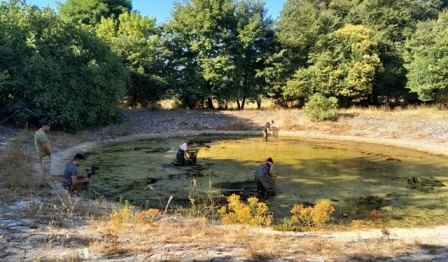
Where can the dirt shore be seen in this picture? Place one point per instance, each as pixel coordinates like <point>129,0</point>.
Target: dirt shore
<point>425,130</point>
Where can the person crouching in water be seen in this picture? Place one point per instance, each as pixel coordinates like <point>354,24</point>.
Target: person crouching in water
<point>73,182</point>
<point>182,158</point>
<point>265,179</point>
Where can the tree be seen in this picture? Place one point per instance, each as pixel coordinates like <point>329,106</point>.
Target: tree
<point>90,12</point>
<point>221,47</point>
<point>254,45</point>
<point>393,22</point>
<point>301,25</point>
<point>343,66</point>
<point>13,52</point>
<point>427,60</point>
<point>62,73</point>
<point>133,38</point>
<point>205,31</point>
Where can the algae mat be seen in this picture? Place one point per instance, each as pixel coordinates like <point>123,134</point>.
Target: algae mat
<point>408,186</point>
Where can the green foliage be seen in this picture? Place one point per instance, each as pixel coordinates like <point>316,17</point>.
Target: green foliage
<point>133,39</point>
<point>320,108</point>
<point>307,30</point>
<point>393,22</point>
<point>90,12</point>
<point>219,48</point>
<point>427,60</point>
<point>62,72</point>
<point>253,213</point>
<point>344,66</point>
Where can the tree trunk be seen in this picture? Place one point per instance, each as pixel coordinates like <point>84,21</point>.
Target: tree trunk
<point>243,102</point>
<point>210,103</point>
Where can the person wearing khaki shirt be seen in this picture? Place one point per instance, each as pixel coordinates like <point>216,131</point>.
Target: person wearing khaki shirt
<point>43,148</point>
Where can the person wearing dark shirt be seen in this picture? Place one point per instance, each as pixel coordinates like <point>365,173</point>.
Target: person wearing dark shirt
<point>73,182</point>
<point>182,157</point>
<point>265,179</point>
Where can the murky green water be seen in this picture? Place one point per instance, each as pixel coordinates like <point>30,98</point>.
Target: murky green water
<point>409,187</point>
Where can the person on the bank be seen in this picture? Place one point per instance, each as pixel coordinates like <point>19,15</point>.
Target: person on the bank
<point>43,149</point>
<point>182,157</point>
<point>267,129</point>
<point>265,179</point>
<point>73,182</point>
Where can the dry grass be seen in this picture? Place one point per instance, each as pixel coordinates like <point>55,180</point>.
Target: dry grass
<point>184,237</point>
<point>190,234</point>
<point>17,166</point>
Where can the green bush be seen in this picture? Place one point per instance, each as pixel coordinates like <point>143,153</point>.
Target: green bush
<point>61,71</point>
<point>320,108</point>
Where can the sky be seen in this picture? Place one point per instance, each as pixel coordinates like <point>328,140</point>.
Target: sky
<point>161,8</point>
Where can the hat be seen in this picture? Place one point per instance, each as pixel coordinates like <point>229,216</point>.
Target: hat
<point>44,123</point>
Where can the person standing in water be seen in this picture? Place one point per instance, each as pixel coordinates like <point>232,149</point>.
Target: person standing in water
<point>266,130</point>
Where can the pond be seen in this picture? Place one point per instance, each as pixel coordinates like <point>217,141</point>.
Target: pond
<point>407,186</point>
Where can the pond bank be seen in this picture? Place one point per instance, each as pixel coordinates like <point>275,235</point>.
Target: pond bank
<point>20,241</point>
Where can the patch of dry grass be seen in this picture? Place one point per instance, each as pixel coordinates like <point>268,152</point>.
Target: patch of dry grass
<point>16,166</point>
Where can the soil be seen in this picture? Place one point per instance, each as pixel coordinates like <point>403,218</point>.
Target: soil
<point>424,130</point>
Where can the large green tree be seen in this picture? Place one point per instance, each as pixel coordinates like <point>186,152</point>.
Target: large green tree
<point>427,60</point>
<point>344,66</point>
<point>221,46</point>
<point>302,24</point>
<point>58,70</point>
<point>205,32</point>
<point>134,39</point>
<point>254,45</point>
<point>90,12</point>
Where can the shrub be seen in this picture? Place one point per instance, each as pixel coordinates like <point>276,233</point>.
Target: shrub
<point>320,108</point>
<point>311,217</point>
<point>253,213</point>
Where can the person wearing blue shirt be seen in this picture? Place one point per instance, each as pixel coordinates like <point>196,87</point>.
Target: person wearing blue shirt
<point>73,182</point>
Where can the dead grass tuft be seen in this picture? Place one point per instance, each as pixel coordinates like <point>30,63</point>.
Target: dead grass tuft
<point>16,167</point>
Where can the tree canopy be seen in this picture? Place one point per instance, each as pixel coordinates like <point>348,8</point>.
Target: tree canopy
<point>90,12</point>
<point>77,66</point>
<point>62,72</point>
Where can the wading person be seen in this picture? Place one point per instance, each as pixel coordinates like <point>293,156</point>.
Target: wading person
<point>265,179</point>
<point>73,182</point>
<point>182,157</point>
<point>266,130</point>
<point>43,149</point>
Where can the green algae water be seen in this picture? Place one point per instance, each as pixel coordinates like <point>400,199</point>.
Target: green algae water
<point>407,186</point>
